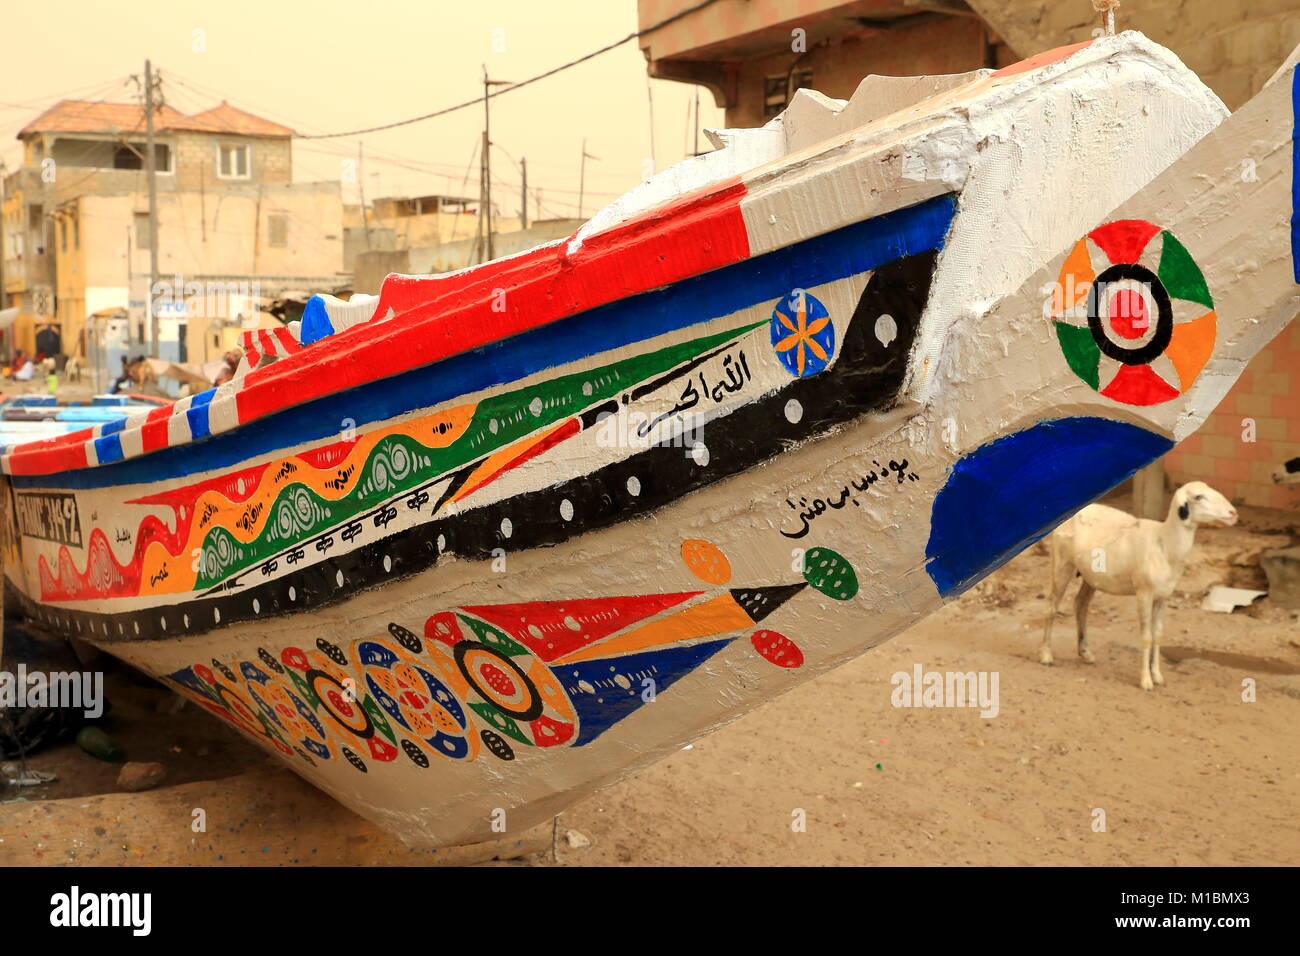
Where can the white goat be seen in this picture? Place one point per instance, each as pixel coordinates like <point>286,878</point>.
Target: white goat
<point>1119,554</point>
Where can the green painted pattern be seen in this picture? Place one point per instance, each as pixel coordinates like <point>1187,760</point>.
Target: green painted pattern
<point>830,572</point>
<point>1081,352</point>
<point>1181,276</point>
<point>399,462</point>
<point>493,637</point>
<point>501,722</point>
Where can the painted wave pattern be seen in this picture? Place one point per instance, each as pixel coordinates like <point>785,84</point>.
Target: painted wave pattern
<point>219,533</point>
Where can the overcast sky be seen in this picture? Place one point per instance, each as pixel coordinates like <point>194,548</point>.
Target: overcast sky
<point>330,65</point>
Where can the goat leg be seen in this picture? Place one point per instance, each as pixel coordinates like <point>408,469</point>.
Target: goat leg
<point>1081,601</point>
<point>1145,613</point>
<point>1158,631</point>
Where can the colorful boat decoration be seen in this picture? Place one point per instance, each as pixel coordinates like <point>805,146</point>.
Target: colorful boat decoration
<point>464,551</point>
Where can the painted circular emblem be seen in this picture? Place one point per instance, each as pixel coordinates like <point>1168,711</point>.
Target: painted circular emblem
<point>1133,313</point>
<point>803,335</point>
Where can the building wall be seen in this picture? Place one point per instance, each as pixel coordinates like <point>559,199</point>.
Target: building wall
<point>726,19</point>
<point>1268,396</point>
<point>196,160</point>
<point>943,45</point>
<point>1233,45</point>
<point>218,241</point>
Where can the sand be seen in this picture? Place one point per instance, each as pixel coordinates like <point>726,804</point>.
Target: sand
<point>1187,774</point>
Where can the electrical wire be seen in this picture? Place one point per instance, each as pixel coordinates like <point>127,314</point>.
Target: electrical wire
<point>522,83</point>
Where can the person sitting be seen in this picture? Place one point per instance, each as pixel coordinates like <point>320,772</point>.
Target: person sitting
<point>123,380</point>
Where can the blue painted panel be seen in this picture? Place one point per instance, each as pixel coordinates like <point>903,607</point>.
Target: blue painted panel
<point>316,323</point>
<point>1007,494</point>
<point>852,250</point>
<point>1295,172</point>
<point>197,414</point>
<point>610,703</point>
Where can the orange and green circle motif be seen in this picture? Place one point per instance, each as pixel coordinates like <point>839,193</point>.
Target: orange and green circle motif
<point>1133,313</point>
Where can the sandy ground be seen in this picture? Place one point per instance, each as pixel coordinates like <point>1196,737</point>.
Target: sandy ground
<point>1187,774</point>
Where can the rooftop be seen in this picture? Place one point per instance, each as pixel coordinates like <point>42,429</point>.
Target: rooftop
<point>90,116</point>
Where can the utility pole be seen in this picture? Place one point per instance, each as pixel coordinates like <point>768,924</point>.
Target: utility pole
<point>361,185</point>
<point>3,247</point>
<point>487,161</point>
<point>485,201</point>
<point>523,193</point>
<point>582,175</point>
<point>697,121</point>
<point>150,165</point>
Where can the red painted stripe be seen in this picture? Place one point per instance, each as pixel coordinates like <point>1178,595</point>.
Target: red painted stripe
<point>1042,59</point>
<point>250,348</point>
<point>288,344</point>
<point>44,461</point>
<point>438,317</point>
<point>153,434</point>
<point>266,344</point>
<point>71,438</point>
<point>567,430</point>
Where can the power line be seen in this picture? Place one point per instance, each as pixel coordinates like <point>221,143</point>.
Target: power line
<point>532,79</point>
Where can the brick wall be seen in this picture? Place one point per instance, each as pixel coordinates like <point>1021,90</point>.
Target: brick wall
<point>1268,393</point>
<point>196,160</point>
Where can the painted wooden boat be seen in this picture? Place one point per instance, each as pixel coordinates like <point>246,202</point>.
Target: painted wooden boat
<point>26,418</point>
<point>463,553</point>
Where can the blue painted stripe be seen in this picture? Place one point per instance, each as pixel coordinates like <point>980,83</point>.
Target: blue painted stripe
<point>1004,496</point>
<point>112,428</point>
<point>108,448</point>
<point>1295,172</point>
<point>197,414</point>
<point>852,250</point>
<point>316,323</point>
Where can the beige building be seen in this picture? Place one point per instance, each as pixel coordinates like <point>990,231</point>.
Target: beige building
<point>233,228</point>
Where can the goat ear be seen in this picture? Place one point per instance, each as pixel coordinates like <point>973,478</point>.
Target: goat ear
<point>1184,511</point>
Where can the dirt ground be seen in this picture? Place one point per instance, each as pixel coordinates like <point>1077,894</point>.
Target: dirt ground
<point>1187,774</point>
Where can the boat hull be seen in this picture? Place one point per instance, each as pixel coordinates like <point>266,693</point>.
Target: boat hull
<point>462,596</point>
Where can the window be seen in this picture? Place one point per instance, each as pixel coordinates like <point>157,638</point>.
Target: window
<point>233,162</point>
<point>76,232</point>
<point>63,235</point>
<point>142,230</point>
<point>778,87</point>
<point>127,158</point>
<point>277,230</point>
<point>131,156</point>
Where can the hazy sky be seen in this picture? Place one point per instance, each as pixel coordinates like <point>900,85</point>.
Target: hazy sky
<point>331,65</point>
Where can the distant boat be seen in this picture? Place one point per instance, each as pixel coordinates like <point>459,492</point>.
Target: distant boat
<point>465,551</point>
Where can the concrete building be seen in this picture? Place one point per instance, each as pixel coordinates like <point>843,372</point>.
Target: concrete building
<point>455,253</point>
<point>753,56</point>
<point>750,55</point>
<point>233,228</point>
